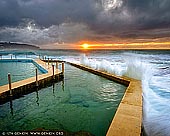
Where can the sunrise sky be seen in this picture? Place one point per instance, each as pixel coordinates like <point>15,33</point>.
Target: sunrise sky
<point>88,24</point>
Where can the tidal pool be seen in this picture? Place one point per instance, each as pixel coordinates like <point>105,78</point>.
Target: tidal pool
<point>81,102</point>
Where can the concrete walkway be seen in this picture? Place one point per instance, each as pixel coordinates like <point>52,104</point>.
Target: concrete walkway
<point>128,118</point>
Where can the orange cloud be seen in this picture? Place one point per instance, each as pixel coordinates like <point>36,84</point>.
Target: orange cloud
<point>135,45</point>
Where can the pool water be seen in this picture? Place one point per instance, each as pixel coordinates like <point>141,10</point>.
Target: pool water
<point>18,70</point>
<point>81,102</point>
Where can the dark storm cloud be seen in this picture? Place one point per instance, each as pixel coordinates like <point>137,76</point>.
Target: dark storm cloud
<point>9,13</point>
<point>136,15</point>
<point>152,18</point>
<point>150,13</point>
<point>92,18</point>
<point>45,12</point>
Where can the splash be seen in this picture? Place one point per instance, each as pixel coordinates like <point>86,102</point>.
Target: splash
<point>155,105</point>
<point>133,68</point>
<point>103,65</point>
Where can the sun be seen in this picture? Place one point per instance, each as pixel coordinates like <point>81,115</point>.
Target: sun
<point>85,46</point>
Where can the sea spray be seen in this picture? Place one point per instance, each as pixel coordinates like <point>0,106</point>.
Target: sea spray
<point>135,67</point>
<point>103,65</point>
<point>84,60</point>
<point>155,107</point>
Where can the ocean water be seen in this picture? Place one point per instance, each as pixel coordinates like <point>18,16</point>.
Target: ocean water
<point>151,67</point>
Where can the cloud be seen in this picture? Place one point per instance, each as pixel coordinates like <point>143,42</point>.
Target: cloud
<point>74,20</point>
<point>46,12</point>
<point>63,33</point>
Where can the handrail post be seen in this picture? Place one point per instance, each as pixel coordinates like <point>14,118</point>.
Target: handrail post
<point>53,71</point>
<point>36,71</point>
<point>56,65</point>
<point>9,81</point>
<point>63,67</point>
<point>48,63</point>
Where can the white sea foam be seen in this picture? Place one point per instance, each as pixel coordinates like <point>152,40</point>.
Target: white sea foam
<point>103,65</point>
<point>156,107</point>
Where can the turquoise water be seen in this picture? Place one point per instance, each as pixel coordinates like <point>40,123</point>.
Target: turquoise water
<point>82,101</point>
<point>18,70</point>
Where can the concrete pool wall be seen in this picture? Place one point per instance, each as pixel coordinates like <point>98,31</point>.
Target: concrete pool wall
<point>127,120</point>
<point>29,85</point>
